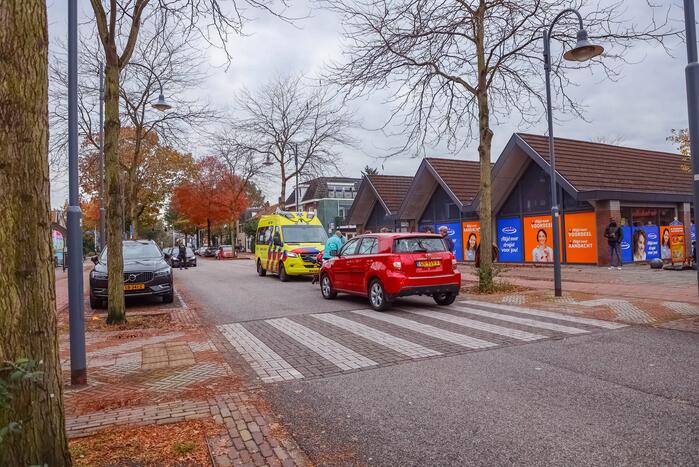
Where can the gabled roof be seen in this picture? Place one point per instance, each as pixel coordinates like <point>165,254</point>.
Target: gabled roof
<point>318,188</point>
<point>387,190</point>
<point>591,166</point>
<point>390,190</point>
<point>459,178</point>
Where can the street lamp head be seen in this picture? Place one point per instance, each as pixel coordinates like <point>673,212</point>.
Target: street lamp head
<point>583,50</point>
<point>268,161</point>
<point>161,105</point>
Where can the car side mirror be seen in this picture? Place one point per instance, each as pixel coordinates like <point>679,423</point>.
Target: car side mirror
<point>334,253</point>
<point>95,259</point>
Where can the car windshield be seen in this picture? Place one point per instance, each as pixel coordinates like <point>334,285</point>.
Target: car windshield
<point>418,245</point>
<point>227,248</point>
<point>136,251</point>
<point>304,234</point>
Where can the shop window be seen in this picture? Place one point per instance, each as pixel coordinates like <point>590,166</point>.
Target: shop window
<point>644,216</point>
<point>377,219</point>
<point>571,204</point>
<point>440,208</point>
<point>666,216</point>
<point>511,206</point>
<point>535,190</point>
<point>626,216</point>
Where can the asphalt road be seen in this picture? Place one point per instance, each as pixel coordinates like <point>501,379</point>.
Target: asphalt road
<point>620,397</point>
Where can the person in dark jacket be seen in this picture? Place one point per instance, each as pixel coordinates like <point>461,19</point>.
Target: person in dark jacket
<point>614,235</point>
<point>182,254</point>
<point>448,241</point>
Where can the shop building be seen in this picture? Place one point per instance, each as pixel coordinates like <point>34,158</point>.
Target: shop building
<point>649,193</point>
<point>377,204</point>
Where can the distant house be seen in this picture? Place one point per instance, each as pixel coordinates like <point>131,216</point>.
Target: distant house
<point>378,203</point>
<point>329,197</point>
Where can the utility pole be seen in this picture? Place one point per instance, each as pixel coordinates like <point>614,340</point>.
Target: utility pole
<point>78,365</point>
<point>296,163</point>
<point>692,77</point>
<point>103,238</point>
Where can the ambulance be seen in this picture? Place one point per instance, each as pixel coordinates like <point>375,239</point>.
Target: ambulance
<point>287,244</point>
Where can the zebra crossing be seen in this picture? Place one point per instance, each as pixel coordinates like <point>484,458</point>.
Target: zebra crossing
<point>292,348</point>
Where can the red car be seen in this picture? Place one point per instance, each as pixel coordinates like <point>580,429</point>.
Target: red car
<point>224,251</point>
<point>385,266</point>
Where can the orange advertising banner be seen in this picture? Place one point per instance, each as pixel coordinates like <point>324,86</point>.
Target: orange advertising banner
<point>471,235</point>
<point>538,239</point>
<point>581,238</point>
<point>672,243</point>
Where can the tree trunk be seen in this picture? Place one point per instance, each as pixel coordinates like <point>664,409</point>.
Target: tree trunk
<point>485,272</point>
<point>282,195</point>
<point>115,205</point>
<point>28,299</point>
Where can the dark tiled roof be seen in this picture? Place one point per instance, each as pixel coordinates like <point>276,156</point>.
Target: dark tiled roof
<point>318,188</point>
<point>596,166</point>
<point>462,177</point>
<point>391,189</point>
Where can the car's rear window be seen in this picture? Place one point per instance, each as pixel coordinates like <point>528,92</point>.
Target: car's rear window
<point>418,245</point>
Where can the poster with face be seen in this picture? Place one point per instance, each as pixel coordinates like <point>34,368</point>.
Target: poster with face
<point>581,238</point>
<point>665,244</point>
<point>510,240</point>
<point>471,235</point>
<point>645,243</point>
<point>538,239</point>
<point>453,232</point>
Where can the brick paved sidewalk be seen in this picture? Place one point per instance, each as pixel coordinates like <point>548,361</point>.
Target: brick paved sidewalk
<point>165,367</point>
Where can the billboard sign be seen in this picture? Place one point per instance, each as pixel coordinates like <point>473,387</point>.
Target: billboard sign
<point>581,238</point>
<point>510,240</point>
<point>471,235</point>
<point>538,239</point>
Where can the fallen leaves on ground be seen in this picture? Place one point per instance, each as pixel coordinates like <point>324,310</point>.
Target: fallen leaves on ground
<point>98,322</point>
<point>177,444</point>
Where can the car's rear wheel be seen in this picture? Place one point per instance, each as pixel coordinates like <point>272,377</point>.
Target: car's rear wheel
<point>444,299</point>
<point>260,270</point>
<point>377,296</point>
<point>96,303</point>
<point>283,276</point>
<point>168,298</point>
<point>326,288</point>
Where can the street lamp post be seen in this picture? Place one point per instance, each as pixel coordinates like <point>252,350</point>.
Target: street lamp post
<point>76,317</point>
<point>296,164</point>
<point>103,238</point>
<point>692,77</point>
<point>583,51</point>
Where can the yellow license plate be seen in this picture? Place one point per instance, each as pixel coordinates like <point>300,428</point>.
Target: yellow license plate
<point>428,264</point>
<point>134,286</point>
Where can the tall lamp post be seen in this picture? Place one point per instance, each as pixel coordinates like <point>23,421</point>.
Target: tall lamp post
<point>582,52</point>
<point>692,77</point>
<point>76,323</point>
<point>296,164</point>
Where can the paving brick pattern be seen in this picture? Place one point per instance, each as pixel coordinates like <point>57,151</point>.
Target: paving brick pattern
<point>624,310</point>
<point>515,299</point>
<point>328,343</point>
<point>190,376</point>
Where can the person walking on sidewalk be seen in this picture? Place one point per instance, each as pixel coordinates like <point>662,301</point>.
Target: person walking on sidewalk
<point>448,241</point>
<point>182,254</point>
<point>614,235</point>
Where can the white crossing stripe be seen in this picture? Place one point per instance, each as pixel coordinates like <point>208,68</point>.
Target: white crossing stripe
<point>525,321</point>
<point>432,331</point>
<point>402,346</point>
<point>336,353</point>
<point>549,314</point>
<point>480,325</point>
<point>268,365</point>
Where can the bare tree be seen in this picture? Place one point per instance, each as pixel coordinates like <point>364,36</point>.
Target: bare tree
<point>160,57</point>
<point>119,24</point>
<point>32,428</point>
<point>286,120</point>
<point>451,67</point>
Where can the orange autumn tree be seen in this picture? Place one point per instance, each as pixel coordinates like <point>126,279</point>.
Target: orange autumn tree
<point>215,196</point>
<point>681,140</point>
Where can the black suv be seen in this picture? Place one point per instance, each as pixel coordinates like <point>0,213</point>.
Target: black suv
<point>146,273</point>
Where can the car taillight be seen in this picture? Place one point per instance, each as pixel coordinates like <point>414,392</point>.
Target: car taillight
<point>396,263</point>
<point>453,264</point>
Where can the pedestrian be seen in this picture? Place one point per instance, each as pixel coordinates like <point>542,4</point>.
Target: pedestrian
<point>448,241</point>
<point>384,230</point>
<point>182,254</point>
<point>429,230</point>
<point>334,243</point>
<point>614,235</point>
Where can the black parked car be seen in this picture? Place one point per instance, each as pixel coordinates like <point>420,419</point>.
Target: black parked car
<point>175,258</point>
<point>146,273</point>
<point>210,251</point>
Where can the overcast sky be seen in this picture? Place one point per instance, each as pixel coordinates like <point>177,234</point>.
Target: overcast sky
<point>639,110</point>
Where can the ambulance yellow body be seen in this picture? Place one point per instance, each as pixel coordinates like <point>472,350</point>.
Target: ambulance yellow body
<point>287,244</point>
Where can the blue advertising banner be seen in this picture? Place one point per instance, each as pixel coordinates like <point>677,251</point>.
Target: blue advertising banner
<point>510,242</point>
<point>454,232</point>
<point>694,232</point>
<point>424,228</point>
<point>626,252</point>
<point>645,243</point>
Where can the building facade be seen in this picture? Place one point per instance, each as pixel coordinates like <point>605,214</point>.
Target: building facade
<point>330,198</point>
